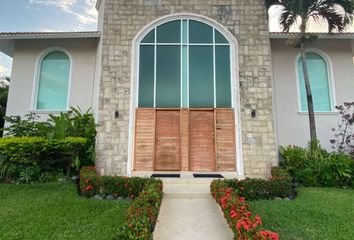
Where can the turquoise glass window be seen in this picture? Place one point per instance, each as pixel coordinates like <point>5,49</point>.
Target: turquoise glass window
<point>201,84</point>
<point>53,82</point>
<point>319,82</point>
<point>146,73</point>
<point>168,71</point>
<point>169,32</point>
<point>223,76</point>
<point>184,64</point>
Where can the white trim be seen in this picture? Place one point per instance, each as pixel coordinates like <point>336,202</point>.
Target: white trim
<point>41,56</point>
<point>48,35</point>
<point>330,77</point>
<point>234,79</point>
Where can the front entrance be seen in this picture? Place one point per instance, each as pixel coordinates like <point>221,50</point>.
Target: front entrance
<point>199,140</point>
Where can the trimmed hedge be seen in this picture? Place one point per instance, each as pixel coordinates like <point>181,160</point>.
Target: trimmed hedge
<point>142,215</point>
<point>92,184</point>
<point>279,185</point>
<point>238,215</point>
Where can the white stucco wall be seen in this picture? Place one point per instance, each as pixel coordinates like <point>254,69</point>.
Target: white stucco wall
<point>292,126</point>
<point>26,54</point>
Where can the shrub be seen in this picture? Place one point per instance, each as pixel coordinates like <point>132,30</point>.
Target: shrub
<point>92,184</point>
<point>28,157</point>
<point>238,215</point>
<point>142,216</point>
<point>73,123</point>
<point>314,166</point>
<point>257,189</point>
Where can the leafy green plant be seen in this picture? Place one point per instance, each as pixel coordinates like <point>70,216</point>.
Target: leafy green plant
<point>47,155</point>
<point>314,166</point>
<point>142,215</point>
<point>29,126</point>
<point>28,174</point>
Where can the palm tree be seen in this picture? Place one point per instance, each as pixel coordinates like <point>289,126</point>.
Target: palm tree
<point>337,13</point>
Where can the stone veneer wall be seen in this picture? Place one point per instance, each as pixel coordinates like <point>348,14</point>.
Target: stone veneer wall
<point>245,19</point>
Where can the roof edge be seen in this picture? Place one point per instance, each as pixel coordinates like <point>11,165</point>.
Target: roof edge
<point>284,35</point>
<point>48,35</point>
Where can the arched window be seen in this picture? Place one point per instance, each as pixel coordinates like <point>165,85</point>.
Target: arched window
<point>319,81</point>
<point>53,83</point>
<point>184,64</point>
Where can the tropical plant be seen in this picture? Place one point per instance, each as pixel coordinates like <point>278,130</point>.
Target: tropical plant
<point>337,13</point>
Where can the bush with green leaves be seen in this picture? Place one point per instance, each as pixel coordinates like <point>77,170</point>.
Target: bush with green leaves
<point>26,159</point>
<point>117,186</point>
<point>279,185</point>
<point>73,123</point>
<point>314,166</point>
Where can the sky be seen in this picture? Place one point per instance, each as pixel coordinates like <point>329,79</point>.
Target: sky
<point>67,15</point>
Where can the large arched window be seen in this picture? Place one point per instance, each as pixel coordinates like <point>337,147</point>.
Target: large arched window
<point>53,82</point>
<point>319,81</point>
<point>184,64</point>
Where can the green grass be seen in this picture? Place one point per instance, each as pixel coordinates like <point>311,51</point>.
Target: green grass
<point>317,213</point>
<point>54,211</point>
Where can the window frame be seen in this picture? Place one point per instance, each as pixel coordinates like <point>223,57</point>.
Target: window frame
<point>37,75</point>
<point>181,44</point>
<point>330,77</point>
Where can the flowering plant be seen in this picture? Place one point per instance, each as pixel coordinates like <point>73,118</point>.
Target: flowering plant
<point>238,215</point>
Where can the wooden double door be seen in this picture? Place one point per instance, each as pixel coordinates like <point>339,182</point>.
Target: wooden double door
<point>184,140</point>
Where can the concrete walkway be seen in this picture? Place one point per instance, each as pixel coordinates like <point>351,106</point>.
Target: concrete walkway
<point>188,212</point>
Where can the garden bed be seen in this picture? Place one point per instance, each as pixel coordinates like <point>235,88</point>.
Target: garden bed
<point>147,194</point>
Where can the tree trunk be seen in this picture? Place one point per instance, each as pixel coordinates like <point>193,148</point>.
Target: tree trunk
<point>312,122</point>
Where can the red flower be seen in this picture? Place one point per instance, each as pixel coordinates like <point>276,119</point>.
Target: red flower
<point>89,187</point>
<point>132,197</point>
<point>258,220</point>
<point>233,214</point>
<point>248,214</point>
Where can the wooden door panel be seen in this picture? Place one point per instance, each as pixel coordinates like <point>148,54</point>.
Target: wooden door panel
<point>167,156</point>
<point>225,140</point>
<point>202,141</point>
<point>144,140</point>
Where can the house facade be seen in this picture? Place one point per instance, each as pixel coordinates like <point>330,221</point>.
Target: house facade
<point>182,86</point>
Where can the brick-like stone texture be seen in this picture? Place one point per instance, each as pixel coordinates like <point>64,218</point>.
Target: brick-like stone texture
<point>245,19</point>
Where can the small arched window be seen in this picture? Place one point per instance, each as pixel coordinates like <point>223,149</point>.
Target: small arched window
<point>53,82</point>
<point>319,81</point>
<point>184,64</point>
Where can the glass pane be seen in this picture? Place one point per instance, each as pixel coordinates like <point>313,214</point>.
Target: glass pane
<point>184,77</point>
<point>200,32</point>
<point>185,31</point>
<point>168,77</point>
<point>223,76</point>
<point>150,37</point>
<point>201,80</point>
<point>146,76</point>
<point>219,38</point>
<point>169,32</point>
<point>318,74</point>
<point>54,82</point>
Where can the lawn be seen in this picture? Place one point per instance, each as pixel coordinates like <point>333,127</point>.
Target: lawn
<point>55,211</point>
<point>317,213</point>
